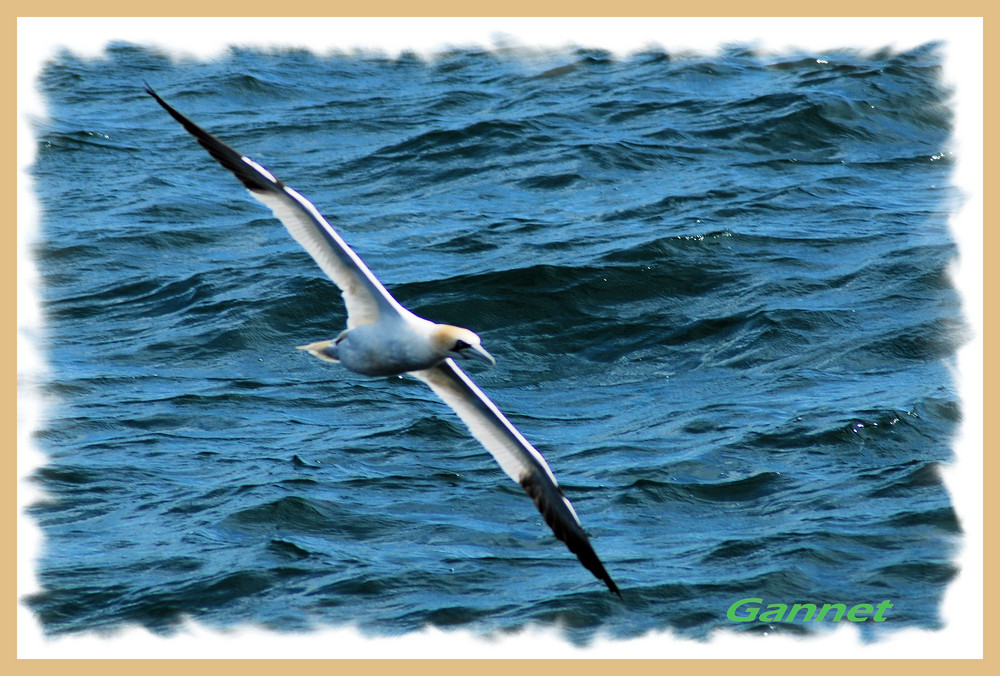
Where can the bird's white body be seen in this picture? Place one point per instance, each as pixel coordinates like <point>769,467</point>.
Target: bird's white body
<point>397,344</point>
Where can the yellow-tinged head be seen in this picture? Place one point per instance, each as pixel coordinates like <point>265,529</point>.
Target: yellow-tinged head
<point>459,343</point>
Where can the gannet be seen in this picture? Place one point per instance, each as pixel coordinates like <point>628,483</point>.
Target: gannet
<point>384,339</point>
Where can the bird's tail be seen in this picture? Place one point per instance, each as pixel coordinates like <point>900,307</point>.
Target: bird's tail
<point>323,349</point>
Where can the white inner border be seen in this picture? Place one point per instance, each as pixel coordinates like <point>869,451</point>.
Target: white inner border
<point>39,39</point>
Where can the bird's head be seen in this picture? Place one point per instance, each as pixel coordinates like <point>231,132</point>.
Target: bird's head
<point>460,344</point>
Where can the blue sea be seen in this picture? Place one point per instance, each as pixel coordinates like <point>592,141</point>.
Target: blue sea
<point>716,287</point>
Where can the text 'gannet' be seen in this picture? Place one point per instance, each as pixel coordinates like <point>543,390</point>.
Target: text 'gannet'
<point>384,338</point>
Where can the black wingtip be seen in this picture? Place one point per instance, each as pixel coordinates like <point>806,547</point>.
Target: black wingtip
<point>566,527</point>
<point>613,587</point>
<point>588,557</point>
<point>580,546</point>
<point>252,177</point>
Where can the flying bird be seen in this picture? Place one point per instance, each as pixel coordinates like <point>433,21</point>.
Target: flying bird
<point>383,338</point>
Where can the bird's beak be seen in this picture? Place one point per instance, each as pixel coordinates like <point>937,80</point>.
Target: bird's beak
<point>479,354</point>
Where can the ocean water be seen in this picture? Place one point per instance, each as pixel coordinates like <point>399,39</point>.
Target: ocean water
<point>716,287</point>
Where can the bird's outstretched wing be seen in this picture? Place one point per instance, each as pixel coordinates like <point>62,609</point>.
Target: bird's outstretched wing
<point>518,459</point>
<point>364,295</point>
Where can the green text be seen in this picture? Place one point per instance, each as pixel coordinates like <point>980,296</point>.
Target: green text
<point>754,610</point>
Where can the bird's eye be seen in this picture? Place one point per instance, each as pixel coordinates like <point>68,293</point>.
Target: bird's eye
<point>460,345</point>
